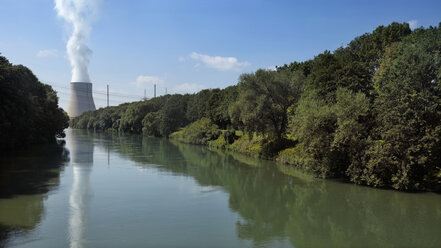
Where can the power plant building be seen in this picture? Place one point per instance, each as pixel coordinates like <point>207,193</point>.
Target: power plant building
<point>81,99</point>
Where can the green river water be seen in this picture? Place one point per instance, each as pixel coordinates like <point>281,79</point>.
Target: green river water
<point>103,190</point>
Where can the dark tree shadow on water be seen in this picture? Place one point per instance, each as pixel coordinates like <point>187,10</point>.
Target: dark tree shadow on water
<point>25,179</point>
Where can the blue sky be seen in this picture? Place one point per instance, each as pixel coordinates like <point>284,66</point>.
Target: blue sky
<point>186,46</point>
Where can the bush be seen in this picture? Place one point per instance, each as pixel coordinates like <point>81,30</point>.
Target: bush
<point>199,132</point>
<point>270,148</point>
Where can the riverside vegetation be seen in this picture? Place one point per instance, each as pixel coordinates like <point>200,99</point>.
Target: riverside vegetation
<point>369,112</point>
<point>29,111</point>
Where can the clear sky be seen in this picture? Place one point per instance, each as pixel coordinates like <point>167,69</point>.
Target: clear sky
<point>186,46</point>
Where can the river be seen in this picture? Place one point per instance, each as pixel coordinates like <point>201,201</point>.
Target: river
<point>104,190</point>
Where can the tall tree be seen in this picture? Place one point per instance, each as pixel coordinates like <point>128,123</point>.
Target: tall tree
<point>264,99</point>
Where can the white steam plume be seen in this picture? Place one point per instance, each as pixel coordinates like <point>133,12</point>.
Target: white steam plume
<point>80,13</point>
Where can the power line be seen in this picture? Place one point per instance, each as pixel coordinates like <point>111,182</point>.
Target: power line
<point>101,98</point>
<point>105,93</point>
<point>115,94</point>
<point>94,98</point>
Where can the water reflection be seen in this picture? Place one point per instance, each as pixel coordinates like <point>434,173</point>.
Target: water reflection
<point>190,194</point>
<point>317,213</point>
<point>25,180</point>
<point>81,152</point>
<point>276,208</point>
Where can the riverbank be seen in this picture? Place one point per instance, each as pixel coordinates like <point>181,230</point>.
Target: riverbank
<point>367,113</point>
<point>205,133</point>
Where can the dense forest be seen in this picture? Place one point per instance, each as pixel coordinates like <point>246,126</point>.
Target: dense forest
<point>369,112</point>
<point>29,111</point>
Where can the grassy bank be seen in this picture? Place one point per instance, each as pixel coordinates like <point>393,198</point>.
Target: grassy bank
<point>204,132</point>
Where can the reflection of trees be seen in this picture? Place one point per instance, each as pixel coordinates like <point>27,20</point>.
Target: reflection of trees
<point>24,180</point>
<point>346,215</point>
<point>315,213</point>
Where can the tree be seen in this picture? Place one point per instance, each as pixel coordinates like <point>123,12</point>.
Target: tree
<point>217,109</point>
<point>29,110</point>
<point>313,125</point>
<point>151,123</point>
<point>197,105</point>
<point>370,48</point>
<point>405,147</point>
<point>173,114</point>
<point>323,78</point>
<point>264,99</point>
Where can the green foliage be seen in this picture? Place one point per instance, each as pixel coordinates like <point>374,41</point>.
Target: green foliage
<point>323,76</point>
<point>200,132</point>
<point>314,123</point>
<point>131,120</point>
<point>287,156</point>
<point>218,143</point>
<point>151,123</point>
<point>388,133</point>
<point>303,68</point>
<point>217,108</point>
<point>264,100</point>
<point>330,135</point>
<point>156,117</point>
<point>224,141</point>
<point>405,146</point>
<point>197,105</point>
<point>102,119</point>
<point>271,147</point>
<point>368,112</point>
<point>173,114</point>
<point>230,136</point>
<point>370,48</point>
<point>251,145</point>
<point>29,110</point>
<point>352,111</point>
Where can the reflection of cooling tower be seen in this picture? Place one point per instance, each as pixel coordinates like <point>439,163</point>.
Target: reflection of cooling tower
<point>81,99</point>
<point>81,154</point>
<point>80,196</point>
<point>80,147</point>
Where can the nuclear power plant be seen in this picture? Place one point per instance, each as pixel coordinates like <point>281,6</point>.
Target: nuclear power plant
<point>79,14</point>
<point>81,99</point>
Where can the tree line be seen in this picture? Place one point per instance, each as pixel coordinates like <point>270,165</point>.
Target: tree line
<point>29,110</point>
<point>369,112</point>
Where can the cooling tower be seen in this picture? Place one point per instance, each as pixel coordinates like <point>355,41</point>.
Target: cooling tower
<point>81,99</point>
